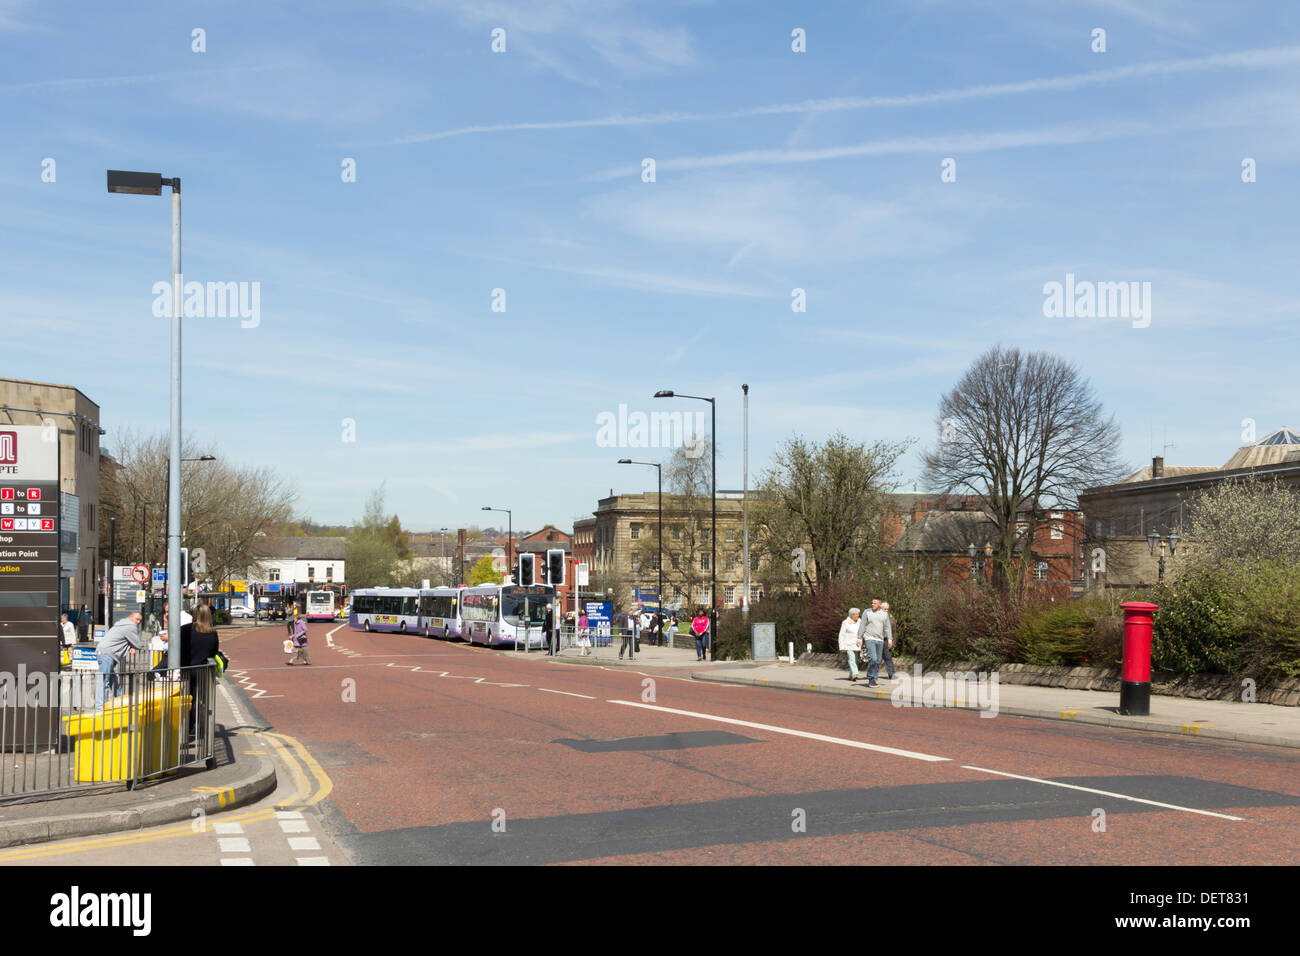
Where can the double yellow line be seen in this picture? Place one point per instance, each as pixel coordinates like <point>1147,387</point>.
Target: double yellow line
<point>312,785</point>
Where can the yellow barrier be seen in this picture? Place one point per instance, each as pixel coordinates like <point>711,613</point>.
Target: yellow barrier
<point>143,730</point>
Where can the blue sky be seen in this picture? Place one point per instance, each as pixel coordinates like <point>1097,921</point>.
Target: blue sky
<point>522,171</point>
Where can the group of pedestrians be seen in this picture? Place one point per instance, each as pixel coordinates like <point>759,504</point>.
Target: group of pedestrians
<point>123,642</point>
<point>871,633</point>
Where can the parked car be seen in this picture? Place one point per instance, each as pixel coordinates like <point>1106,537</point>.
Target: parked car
<point>239,610</point>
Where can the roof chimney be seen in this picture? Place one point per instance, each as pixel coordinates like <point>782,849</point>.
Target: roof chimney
<point>1157,467</point>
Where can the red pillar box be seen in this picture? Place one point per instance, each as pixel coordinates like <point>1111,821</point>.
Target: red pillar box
<point>1135,680</point>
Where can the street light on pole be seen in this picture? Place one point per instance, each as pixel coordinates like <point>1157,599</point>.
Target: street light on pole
<point>151,184</point>
<point>659,468</point>
<point>713,533</point>
<point>510,533</point>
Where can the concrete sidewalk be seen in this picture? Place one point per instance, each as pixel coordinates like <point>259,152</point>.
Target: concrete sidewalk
<point>1215,719</point>
<point>238,779</point>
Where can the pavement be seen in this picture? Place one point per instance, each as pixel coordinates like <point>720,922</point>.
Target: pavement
<point>240,778</point>
<point>1254,723</point>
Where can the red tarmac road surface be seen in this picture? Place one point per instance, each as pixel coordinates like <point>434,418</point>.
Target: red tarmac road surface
<point>443,739</point>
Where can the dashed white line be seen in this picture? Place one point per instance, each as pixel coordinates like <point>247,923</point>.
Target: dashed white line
<point>228,827</point>
<point>234,845</point>
<point>313,861</point>
<point>288,814</point>
<point>294,826</point>
<point>237,861</point>
<point>303,843</point>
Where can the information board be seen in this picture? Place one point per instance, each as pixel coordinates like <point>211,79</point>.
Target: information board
<point>29,553</point>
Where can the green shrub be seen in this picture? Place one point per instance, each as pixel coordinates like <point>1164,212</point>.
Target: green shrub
<point>1198,628</point>
<point>1058,634</point>
<point>1269,618</point>
<point>220,617</point>
<point>970,623</point>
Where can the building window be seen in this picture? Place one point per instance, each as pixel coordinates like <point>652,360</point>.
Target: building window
<point>1058,531</point>
<point>329,573</point>
<point>730,594</point>
<point>273,574</point>
<point>1040,570</point>
<point>704,595</point>
<point>733,562</point>
<point>636,564</point>
<point>732,534</point>
<point>311,573</point>
<point>679,597</point>
<point>705,535</point>
<point>677,532</point>
<point>636,531</point>
<point>1098,527</point>
<point>704,562</point>
<point>1112,527</point>
<point>676,560</point>
<point>91,525</point>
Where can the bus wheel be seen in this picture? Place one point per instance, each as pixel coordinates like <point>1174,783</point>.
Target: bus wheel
<point>401,627</point>
<point>366,625</point>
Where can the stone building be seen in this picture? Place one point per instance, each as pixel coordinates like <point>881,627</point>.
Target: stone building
<point>1156,500</point>
<point>76,418</point>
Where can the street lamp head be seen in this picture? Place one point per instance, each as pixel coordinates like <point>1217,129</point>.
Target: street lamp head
<point>1174,538</point>
<point>486,508</point>
<point>625,461</point>
<point>137,184</point>
<point>666,393</point>
<point>207,458</point>
<point>971,550</point>
<point>1152,540</point>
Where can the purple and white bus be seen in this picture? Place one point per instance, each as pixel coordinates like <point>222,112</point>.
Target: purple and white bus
<point>385,609</point>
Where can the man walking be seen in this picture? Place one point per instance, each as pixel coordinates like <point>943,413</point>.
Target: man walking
<point>871,631</point>
<point>889,639</point>
<point>120,642</point>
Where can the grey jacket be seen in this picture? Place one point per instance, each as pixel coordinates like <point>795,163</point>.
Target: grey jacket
<point>121,637</point>
<point>875,626</point>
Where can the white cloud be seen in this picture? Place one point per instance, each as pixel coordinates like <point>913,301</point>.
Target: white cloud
<point>772,218</point>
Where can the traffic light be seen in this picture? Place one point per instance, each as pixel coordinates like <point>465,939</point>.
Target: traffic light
<point>555,567</point>
<point>526,576</point>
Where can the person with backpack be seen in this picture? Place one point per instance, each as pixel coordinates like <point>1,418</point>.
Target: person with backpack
<point>299,642</point>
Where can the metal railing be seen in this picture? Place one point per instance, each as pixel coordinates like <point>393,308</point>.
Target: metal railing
<point>78,729</point>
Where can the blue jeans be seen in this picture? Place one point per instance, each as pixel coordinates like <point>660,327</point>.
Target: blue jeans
<point>108,679</point>
<point>701,644</point>
<point>873,649</point>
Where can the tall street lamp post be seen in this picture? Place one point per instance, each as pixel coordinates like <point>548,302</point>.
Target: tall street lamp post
<point>659,468</point>
<point>510,534</point>
<point>151,184</point>
<point>713,533</point>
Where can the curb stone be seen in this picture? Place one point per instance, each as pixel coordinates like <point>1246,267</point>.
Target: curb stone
<point>1078,717</point>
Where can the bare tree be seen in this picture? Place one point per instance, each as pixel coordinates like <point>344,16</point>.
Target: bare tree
<point>1023,432</point>
<point>820,510</point>
<point>226,510</point>
<point>687,548</point>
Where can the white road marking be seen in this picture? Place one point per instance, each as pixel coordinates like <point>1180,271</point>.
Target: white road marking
<point>843,742</point>
<point>237,861</point>
<point>234,845</point>
<point>568,693</point>
<point>288,814</point>
<point>313,861</point>
<point>1104,793</point>
<point>294,826</point>
<point>228,827</point>
<point>303,843</point>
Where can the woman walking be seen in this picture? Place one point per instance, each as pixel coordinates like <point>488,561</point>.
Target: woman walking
<point>700,628</point>
<point>850,643</point>
<point>584,635</point>
<point>299,640</point>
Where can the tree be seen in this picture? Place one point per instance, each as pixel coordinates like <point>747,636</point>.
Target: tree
<point>373,551</point>
<point>1023,432</point>
<point>831,500</point>
<point>687,526</point>
<point>1244,522</point>
<point>226,510</point>
<point>483,572</point>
